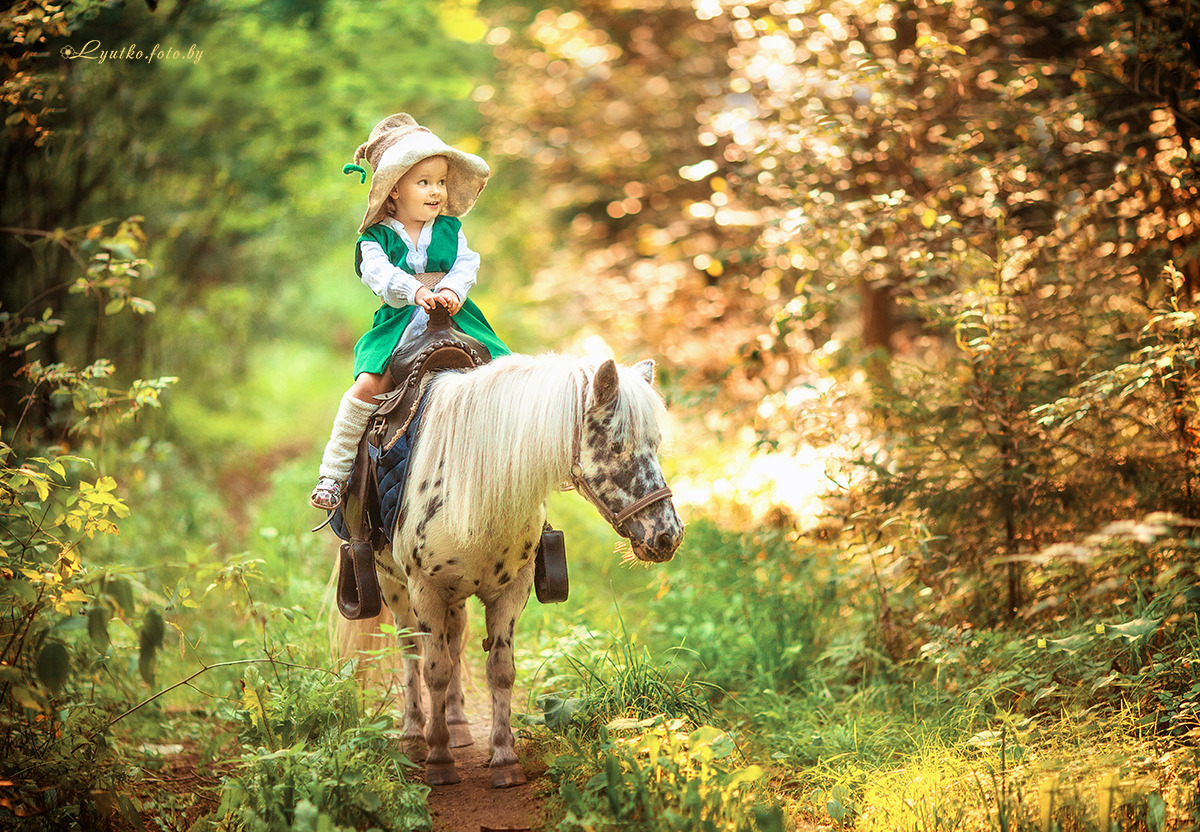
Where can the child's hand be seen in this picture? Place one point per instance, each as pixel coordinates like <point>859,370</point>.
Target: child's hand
<point>449,299</point>
<point>425,299</point>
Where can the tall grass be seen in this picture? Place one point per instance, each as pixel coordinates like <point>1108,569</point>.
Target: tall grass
<point>601,679</point>
<point>1078,725</point>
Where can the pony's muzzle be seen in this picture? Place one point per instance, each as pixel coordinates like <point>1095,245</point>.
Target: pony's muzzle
<point>665,545</point>
<point>658,547</point>
<point>666,542</point>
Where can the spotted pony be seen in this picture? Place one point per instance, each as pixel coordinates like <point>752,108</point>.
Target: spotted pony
<point>494,443</point>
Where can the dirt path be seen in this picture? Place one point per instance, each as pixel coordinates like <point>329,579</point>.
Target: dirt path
<point>473,805</point>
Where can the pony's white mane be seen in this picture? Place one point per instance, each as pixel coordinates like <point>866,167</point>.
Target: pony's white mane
<point>500,436</point>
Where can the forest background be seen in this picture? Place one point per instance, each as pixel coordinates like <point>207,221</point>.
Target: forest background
<point>933,261</point>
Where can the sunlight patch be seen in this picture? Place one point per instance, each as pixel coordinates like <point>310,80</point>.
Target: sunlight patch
<point>761,482</point>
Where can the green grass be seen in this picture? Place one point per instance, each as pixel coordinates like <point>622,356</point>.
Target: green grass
<point>978,730</point>
<point>766,638</point>
<point>597,679</point>
<point>755,658</point>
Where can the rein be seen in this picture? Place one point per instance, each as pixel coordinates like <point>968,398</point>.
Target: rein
<point>615,519</point>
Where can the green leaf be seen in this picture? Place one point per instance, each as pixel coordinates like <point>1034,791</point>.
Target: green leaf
<point>21,589</point>
<point>1110,679</point>
<point>1072,644</point>
<point>153,630</point>
<point>370,800</point>
<point>53,665</point>
<point>131,810</point>
<point>769,820</point>
<point>121,592</point>
<point>1156,812</point>
<point>97,624</point>
<point>151,638</point>
<point>146,662</point>
<point>612,776</point>
<point>1135,630</point>
<point>746,775</point>
<point>711,743</point>
<point>558,712</point>
<point>27,697</point>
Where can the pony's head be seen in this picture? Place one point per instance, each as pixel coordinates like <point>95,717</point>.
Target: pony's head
<point>616,465</point>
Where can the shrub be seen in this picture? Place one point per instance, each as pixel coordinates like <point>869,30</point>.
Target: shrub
<point>660,776</point>
<point>317,760</point>
<point>68,625</point>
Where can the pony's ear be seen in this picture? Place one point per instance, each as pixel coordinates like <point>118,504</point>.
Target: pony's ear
<point>646,368</point>
<point>604,385</point>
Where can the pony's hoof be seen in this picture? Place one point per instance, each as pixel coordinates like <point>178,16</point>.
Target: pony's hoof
<point>460,735</point>
<point>510,775</point>
<point>441,774</point>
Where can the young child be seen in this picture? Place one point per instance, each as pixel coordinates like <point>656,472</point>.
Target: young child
<point>420,186</point>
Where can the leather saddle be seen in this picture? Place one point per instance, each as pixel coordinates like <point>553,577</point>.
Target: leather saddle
<point>383,452</point>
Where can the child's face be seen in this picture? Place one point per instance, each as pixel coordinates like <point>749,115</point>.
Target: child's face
<point>421,192</point>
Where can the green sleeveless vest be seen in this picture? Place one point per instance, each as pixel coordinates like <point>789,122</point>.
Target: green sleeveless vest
<point>375,348</point>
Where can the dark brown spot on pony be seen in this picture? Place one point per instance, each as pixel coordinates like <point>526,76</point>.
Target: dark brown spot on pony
<point>435,505</point>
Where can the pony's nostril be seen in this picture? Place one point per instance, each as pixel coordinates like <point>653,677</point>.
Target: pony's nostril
<point>664,542</point>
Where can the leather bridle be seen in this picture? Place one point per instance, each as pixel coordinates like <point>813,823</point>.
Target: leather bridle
<point>616,519</point>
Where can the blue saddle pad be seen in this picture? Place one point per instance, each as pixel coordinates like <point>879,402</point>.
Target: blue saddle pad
<point>391,474</point>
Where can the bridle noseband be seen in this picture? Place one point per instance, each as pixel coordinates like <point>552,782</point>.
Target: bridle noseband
<point>615,519</point>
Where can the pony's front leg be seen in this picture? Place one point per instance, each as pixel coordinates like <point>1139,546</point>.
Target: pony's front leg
<point>502,615</point>
<point>444,635</point>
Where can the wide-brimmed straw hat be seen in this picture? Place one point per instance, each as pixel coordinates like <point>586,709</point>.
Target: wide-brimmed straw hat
<point>396,144</point>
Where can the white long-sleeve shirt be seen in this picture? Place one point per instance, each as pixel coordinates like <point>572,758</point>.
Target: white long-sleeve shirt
<point>396,287</point>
